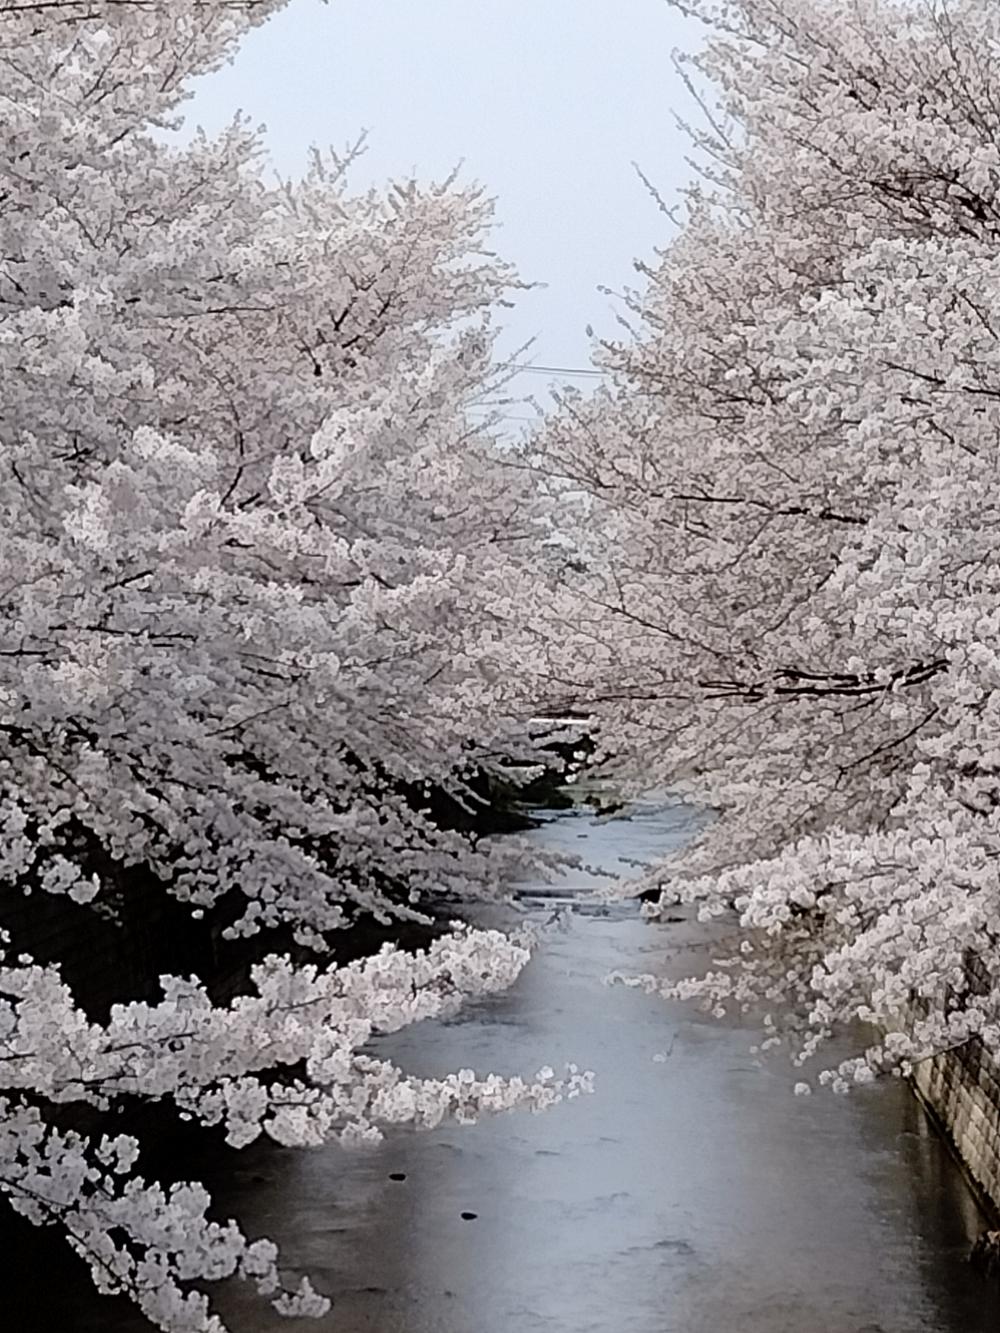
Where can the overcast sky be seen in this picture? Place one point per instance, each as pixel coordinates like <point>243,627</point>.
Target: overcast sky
<point>548,102</point>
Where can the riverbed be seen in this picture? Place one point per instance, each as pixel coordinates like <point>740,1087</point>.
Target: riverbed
<point>691,1193</point>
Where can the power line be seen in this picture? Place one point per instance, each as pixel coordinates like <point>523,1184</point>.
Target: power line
<point>556,370</point>
<point>532,421</point>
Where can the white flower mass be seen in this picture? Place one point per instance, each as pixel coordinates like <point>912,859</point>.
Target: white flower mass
<point>790,580</point>
<point>255,565</point>
<point>265,585</point>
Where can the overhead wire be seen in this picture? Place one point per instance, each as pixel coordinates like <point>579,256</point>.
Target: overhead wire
<point>557,370</point>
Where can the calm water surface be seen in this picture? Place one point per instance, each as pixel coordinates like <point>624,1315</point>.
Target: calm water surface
<point>689,1194</point>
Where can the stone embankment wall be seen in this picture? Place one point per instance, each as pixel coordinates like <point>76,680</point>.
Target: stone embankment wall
<point>961,1088</point>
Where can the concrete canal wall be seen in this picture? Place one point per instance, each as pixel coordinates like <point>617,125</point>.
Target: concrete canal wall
<point>961,1088</point>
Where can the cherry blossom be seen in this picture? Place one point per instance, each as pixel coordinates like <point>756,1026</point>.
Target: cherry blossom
<point>225,1065</point>
<point>262,579</point>
<point>788,581</point>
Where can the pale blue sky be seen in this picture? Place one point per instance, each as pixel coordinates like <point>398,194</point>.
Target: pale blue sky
<point>547,101</point>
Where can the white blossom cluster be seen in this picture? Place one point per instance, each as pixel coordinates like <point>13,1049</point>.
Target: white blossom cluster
<point>255,558</point>
<point>790,576</point>
<point>260,579</point>
<point>225,1065</point>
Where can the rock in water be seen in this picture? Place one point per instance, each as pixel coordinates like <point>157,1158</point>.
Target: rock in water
<point>986,1252</point>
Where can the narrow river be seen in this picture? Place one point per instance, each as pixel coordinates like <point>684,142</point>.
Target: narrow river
<point>692,1193</point>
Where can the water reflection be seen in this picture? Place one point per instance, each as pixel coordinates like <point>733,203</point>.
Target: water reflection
<point>690,1194</point>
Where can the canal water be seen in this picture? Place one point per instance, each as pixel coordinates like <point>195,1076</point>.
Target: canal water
<point>691,1193</point>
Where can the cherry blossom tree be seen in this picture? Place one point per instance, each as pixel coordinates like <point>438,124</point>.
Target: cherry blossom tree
<point>258,562</point>
<point>788,576</point>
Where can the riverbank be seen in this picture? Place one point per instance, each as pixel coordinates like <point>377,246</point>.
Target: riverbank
<point>961,1090</point>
